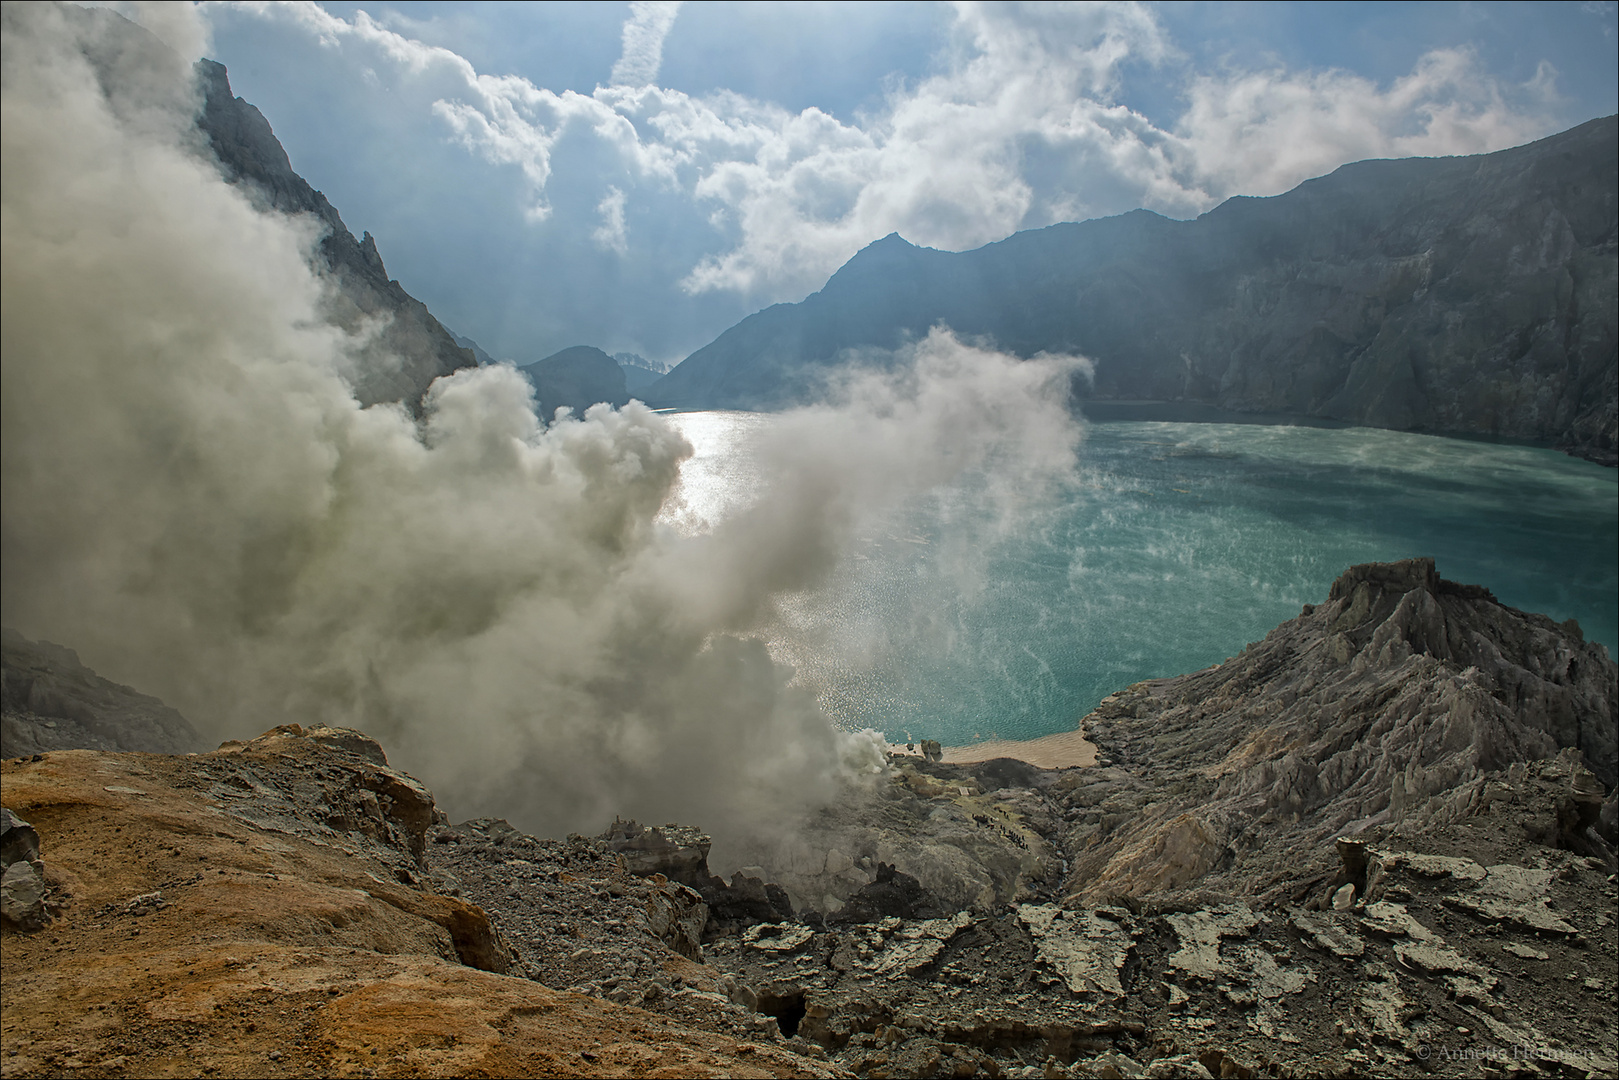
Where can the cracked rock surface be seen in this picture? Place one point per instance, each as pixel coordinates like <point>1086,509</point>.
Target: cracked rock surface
<point>1379,843</point>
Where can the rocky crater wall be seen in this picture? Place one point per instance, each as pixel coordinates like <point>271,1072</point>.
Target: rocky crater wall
<point>1380,842</point>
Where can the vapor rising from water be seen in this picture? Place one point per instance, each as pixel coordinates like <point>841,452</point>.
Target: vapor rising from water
<point>194,499</point>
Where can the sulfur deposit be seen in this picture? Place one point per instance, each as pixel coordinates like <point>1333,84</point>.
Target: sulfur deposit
<point>1380,842</point>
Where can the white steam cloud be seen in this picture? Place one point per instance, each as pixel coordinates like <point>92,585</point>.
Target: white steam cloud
<point>194,499</point>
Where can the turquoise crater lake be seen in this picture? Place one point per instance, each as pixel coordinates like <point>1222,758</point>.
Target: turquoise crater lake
<point>1171,547</point>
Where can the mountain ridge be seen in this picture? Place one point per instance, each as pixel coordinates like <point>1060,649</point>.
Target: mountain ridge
<point>1464,295</point>
<point>577,378</point>
<point>413,348</point>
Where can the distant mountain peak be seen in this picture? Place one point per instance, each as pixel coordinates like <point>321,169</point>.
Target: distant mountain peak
<point>577,377</point>
<point>636,360</point>
<point>413,348</point>
<point>1463,295</point>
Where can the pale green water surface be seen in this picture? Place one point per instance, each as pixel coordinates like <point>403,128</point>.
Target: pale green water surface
<point>1170,548</point>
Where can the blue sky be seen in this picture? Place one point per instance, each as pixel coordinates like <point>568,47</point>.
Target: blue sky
<point>641,176</point>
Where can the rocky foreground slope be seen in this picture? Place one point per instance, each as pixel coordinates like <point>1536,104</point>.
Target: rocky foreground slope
<point>1380,842</point>
<point>268,910</point>
<point>1465,294</point>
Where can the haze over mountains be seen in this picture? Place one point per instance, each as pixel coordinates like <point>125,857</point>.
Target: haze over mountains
<point>1465,295</point>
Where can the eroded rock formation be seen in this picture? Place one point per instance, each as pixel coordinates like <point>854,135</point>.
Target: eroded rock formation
<point>1379,842</point>
<point>1388,703</point>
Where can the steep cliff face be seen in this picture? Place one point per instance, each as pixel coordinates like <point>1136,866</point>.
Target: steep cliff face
<point>412,348</point>
<point>406,347</point>
<point>1386,706</point>
<point>1469,295</point>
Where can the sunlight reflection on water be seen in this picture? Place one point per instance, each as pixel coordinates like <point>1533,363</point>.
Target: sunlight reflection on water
<point>722,475</point>
<point>1172,547</point>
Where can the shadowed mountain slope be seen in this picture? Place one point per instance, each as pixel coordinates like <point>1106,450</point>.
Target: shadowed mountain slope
<point>1466,295</point>
<point>577,377</point>
<point>413,348</point>
<point>406,348</point>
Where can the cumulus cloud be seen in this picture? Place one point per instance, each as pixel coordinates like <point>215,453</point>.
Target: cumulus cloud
<point>1261,133</point>
<point>1021,126</point>
<point>644,31</point>
<point>611,235</point>
<point>195,500</point>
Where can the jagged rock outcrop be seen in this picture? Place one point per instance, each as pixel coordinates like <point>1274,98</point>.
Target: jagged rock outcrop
<point>404,347</point>
<point>680,853</point>
<point>50,701</point>
<point>1388,703</point>
<point>264,910</point>
<point>408,348</point>
<point>1467,294</point>
<point>22,875</point>
<point>577,378</point>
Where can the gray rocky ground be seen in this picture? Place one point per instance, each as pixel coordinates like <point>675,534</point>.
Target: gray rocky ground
<point>1470,948</point>
<point>1378,843</point>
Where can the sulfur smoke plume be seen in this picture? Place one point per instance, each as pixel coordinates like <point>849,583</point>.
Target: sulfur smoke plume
<point>194,499</point>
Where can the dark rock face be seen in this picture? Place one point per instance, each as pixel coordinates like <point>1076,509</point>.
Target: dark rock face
<point>1469,295</point>
<point>577,378</point>
<point>679,853</point>
<point>743,902</point>
<point>53,702</point>
<point>892,894</point>
<point>412,349</point>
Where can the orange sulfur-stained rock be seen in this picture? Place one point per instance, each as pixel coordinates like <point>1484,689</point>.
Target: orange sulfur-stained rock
<point>263,911</point>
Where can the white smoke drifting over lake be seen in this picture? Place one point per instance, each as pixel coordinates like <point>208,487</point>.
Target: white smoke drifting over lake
<point>194,499</point>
